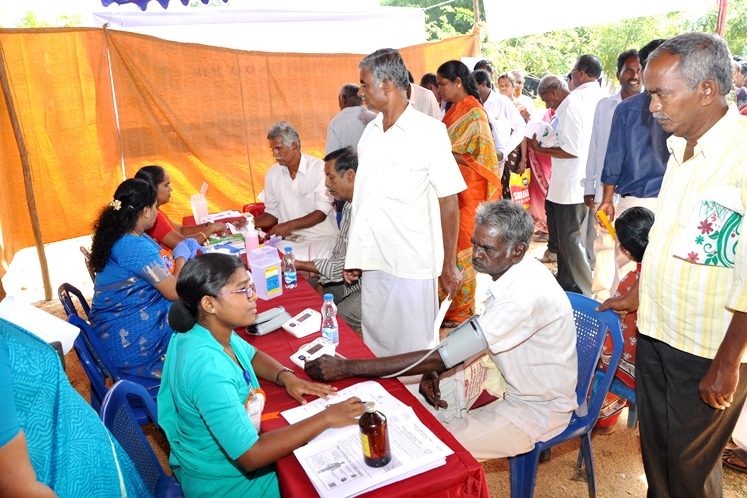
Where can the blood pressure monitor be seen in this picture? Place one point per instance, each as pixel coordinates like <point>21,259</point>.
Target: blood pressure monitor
<point>305,323</point>
<point>313,350</point>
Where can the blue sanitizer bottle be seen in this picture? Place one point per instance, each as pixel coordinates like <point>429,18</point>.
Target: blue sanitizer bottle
<point>329,320</point>
<point>289,275</point>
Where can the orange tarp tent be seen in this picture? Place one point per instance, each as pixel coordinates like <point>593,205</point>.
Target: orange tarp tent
<point>94,105</point>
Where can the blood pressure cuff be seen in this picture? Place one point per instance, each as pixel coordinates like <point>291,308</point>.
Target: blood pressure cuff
<point>463,343</point>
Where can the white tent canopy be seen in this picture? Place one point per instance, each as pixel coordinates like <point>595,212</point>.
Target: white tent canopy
<point>514,19</point>
<point>313,27</point>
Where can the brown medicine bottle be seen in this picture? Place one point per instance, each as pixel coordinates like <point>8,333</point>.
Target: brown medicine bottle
<point>374,437</point>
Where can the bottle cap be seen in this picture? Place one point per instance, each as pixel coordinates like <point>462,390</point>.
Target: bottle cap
<point>288,249</point>
<point>328,297</point>
<point>370,407</point>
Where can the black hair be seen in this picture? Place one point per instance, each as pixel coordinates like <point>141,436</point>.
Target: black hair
<point>345,159</point>
<point>204,275</point>
<point>590,64</point>
<point>625,56</point>
<point>452,70</point>
<point>632,229</point>
<point>482,77</point>
<point>349,94</point>
<point>428,79</point>
<point>152,174</point>
<point>644,52</point>
<point>484,65</point>
<point>119,217</point>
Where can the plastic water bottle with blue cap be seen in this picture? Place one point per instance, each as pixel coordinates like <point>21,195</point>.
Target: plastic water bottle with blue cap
<point>330,331</point>
<point>289,274</point>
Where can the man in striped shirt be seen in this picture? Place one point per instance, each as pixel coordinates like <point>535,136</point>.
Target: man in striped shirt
<point>692,318</point>
<point>339,171</point>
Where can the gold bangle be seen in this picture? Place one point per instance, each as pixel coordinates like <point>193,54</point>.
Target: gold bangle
<point>277,377</point>
<point>203,236</point>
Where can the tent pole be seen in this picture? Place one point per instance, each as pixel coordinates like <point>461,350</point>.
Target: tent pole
<point>476,8</point>
<point>26,167</point>
<point>723,5</point>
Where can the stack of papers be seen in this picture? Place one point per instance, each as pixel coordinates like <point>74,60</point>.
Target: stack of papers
<point>333,461</point>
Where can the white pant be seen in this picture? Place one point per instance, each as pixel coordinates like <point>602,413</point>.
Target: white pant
<point>397,314</point>
<point>612,265</point>
<point>740,430</point>
<point>484,432</point>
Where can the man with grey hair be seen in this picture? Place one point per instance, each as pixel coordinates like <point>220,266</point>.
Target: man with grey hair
<point>297,204</point>
<point>346,127</point>
<point>527,104</point>
<point>529,328</point>
<point>405,214</point>
<point>566,211</point>
<point>692,319</point>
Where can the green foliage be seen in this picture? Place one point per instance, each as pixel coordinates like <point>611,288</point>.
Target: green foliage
<point>29,20</point>
<point>444,21</point>
<point>556,51</point>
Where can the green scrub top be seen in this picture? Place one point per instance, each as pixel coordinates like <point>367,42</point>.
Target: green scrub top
<point>201,410</point>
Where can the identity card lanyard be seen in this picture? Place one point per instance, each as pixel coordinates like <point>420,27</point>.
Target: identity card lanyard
<point>255,402</point>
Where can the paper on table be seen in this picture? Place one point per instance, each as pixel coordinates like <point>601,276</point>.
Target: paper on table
<point>334,460</point>
<point>367,391</point>
<point>40,323</point>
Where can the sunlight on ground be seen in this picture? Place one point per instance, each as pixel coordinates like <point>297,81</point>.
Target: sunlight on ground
<point>24,281</point>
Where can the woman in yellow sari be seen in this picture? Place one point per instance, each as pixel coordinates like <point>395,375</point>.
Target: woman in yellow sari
<point>474,150</point>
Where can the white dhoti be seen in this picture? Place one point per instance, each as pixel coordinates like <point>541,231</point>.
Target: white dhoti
<point>397,314</point>
<point>484,431</point>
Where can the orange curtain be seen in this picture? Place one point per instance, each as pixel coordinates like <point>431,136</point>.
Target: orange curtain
<point>201,112</point>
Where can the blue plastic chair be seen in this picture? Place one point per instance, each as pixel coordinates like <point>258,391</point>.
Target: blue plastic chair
<point>91,353</point>
<point>591,328</point>
<point>118,416</point>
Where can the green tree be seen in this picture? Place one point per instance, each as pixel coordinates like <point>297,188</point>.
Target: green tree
<point>443,21</point>
<point>29,20</point>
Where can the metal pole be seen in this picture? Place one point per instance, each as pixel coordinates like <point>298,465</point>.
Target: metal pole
<point>26,167</point>
<point>476,8</point>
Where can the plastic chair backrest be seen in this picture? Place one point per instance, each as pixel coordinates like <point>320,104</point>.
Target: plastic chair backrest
<point>118,415</point>
<point>65,293</point>
<point>591,328</point>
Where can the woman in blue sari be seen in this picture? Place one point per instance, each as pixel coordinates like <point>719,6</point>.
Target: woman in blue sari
<point>51,442</point>
<point>134,285</point>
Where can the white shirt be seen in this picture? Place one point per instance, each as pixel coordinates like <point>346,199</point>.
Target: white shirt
<point>424,101</point>
<point>575,119</point>
<point>509,123</point>
<point>287,199</point>
<point>527,102</point>
<point>346,128</point>
<point>528,323</point>
<point>402,172</point>
<point>600,135</point>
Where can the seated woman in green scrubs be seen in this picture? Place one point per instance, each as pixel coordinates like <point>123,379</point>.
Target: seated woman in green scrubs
<point>209,386</point>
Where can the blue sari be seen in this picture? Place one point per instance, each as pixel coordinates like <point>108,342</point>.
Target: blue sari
<point>128,313</point>
<point>69,447</point>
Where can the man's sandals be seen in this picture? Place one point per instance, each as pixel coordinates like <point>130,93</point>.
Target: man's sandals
<point>735,458</point>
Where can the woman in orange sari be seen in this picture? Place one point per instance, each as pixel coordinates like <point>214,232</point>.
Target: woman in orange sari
<point>474,150</point>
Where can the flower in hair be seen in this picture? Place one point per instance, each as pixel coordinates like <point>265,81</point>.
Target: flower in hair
<point>116,204</point>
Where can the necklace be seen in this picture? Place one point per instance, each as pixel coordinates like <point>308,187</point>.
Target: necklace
<point>135,233</point>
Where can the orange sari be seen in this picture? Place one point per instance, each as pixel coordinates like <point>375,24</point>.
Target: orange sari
<point>470,136</point>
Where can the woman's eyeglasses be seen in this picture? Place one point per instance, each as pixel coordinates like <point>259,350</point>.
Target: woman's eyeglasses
<point>249,291</point>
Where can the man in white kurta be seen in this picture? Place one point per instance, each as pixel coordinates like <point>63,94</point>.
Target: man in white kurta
<point>405,192</point>
<point>297,204</point>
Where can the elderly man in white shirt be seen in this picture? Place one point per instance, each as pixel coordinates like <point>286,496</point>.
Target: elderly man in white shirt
<point>629,76</point>
<point>565,195</point>
<point>297,204</point>
<point>529,328</point>
<point>405,214</point>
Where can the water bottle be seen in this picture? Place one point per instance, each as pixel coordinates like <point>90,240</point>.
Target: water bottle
<point>329,320</point>
<point>289,275</point>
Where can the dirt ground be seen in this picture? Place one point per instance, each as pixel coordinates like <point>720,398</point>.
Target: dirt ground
<point>617,459</point>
